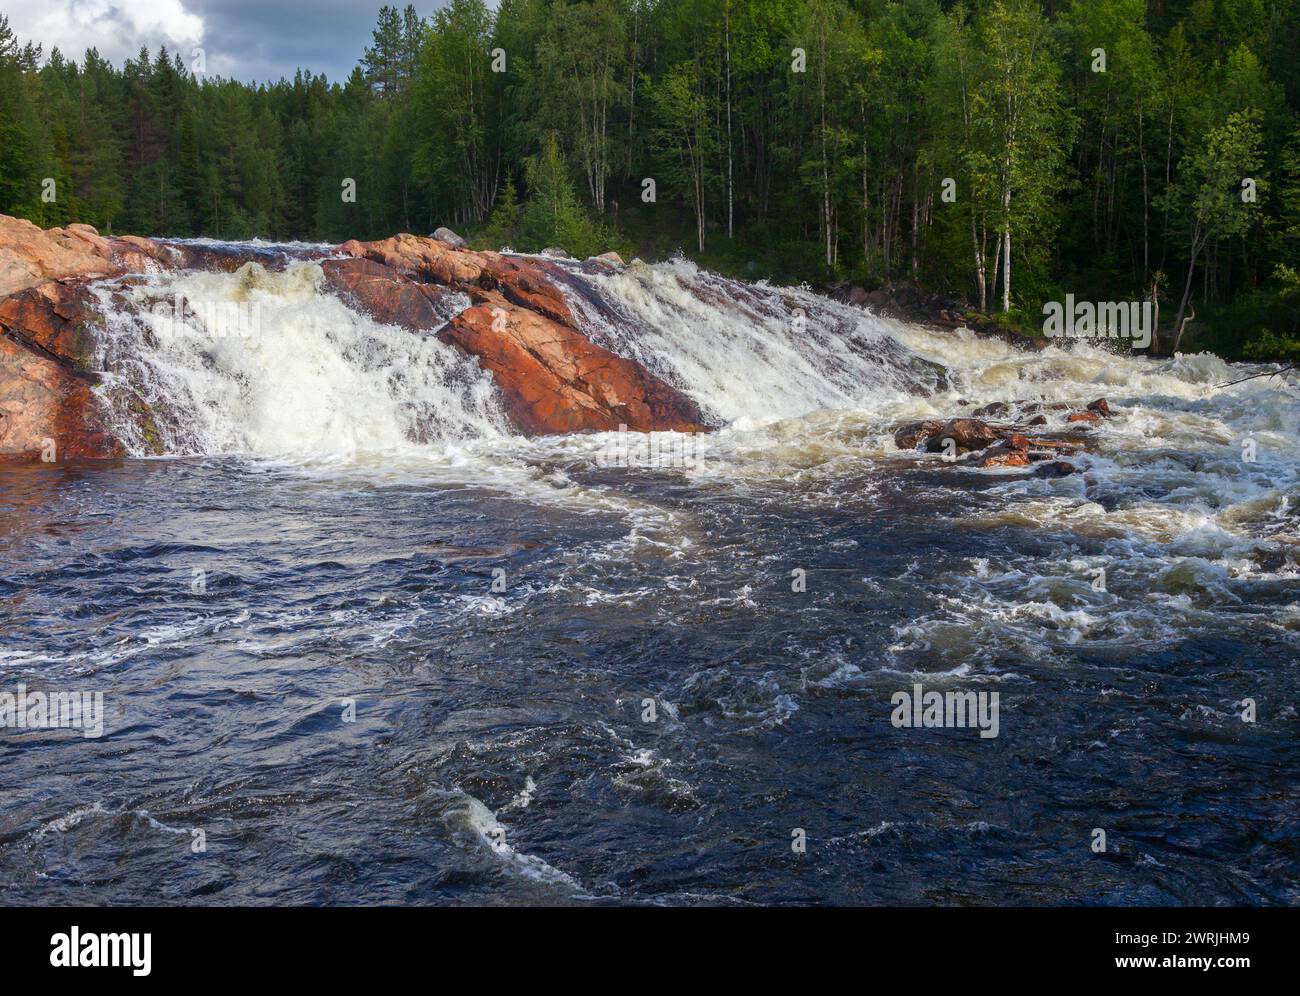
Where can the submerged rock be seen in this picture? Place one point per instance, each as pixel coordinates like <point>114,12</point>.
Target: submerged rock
<point>1007,443</point>
<point>1056,468</point>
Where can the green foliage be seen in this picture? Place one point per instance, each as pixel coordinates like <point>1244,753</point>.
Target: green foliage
<point>801,140</point>
<point>553,215</point>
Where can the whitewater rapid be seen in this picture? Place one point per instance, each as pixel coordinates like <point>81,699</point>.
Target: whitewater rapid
<point>500,609</point>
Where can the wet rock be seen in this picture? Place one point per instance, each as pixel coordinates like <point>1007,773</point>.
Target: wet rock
<point>967,433</point>
<point>996,456</point>
<point>1053,469</point>
<point>450,238</point>
<point>1084,416</point>
<point>1011,451</point>
<point>48,411</point>
<point>907,437</point>
<point>995,410</point>
<point>382,293</point>
<point>133,254</point>
<point>521,329</point>
<point>429,261</point>
<point>527,285</point>
<point>609,259</point>
<point>1101,407</point>
<point>554,380</point>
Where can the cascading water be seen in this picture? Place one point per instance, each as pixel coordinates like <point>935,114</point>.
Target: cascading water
<point>748,352</point>
<point>270,364</point>
<point>501,609</point>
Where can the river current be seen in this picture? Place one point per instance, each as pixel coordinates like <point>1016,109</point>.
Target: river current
<point>357,643</point>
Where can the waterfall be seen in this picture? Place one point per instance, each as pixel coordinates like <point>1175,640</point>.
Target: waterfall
<point>747,351</point>
<point>271,364</point>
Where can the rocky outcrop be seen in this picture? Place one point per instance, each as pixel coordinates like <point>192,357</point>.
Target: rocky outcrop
<point>554,380</point>
<point>384,294</point>
<point>520,327</point>
<point>47,408</point>
<point>1018,440</point>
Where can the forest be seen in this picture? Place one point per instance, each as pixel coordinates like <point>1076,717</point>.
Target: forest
<point>1007,152</point>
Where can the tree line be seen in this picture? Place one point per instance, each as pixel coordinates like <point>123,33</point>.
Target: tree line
<point>1006,151</point>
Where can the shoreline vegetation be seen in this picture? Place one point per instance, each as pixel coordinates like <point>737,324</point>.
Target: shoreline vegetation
<point>1001,155</point>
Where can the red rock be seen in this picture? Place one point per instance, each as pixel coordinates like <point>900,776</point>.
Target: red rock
<point>426,259</point>
<point>908,436</point>
<point>521,281</point>
<point>1083,417</point>
<point>1013,451</point>
<point>29,256</point>
<point>1101,407</point>
<point>967,433</point>
<point>49,318</point>
<point>554,380</point>
<point>382,293</point>
<point>46,400</point>
<point>998,456</point>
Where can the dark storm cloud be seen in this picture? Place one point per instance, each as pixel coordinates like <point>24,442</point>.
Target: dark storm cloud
<point>258,40</point>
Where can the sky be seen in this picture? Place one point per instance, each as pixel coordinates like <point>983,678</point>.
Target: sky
<point>249,40</point>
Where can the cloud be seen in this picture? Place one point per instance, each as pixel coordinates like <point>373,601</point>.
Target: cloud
<point>117,28</point>
<point>251,40</point>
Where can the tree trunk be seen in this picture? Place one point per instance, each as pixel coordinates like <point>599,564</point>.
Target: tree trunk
<point>1182,305</point>
<point>730,189</point>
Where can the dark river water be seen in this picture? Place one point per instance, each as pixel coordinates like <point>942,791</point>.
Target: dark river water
<point>500,751</point>
<point>357,643</point>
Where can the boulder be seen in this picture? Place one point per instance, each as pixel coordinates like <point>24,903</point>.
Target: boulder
<point>609,259</point>
<point>1011,451</point>
<point>1101,407</point>
<point>909,436</point>
<point>427,260</point>
<point>967,433</point>
<point>430,261</point>
<point>551,377</point>
<point>555,252</point>
<point>451,238</point>
<point>1056,468</point>
<point>1000,456</point>
<point>554,380</point>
